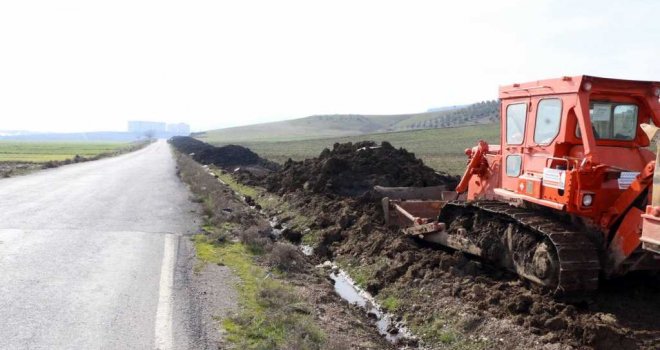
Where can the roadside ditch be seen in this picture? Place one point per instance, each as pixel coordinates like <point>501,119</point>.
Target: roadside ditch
<point>285,301</point>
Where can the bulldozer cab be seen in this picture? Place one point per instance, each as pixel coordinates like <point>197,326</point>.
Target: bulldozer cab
<point>581,145</point>
<point>551,127</point>
<point>571,148</point>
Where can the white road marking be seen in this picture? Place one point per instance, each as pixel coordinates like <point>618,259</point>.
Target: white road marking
<point>163,328</point>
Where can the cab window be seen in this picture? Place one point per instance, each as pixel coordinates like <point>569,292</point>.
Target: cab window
<point>613,121</point>
<point>513,163</point>
<point>548,120</point>
<point>516,115</point>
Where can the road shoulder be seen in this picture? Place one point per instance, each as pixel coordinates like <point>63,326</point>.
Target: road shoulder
<point>205,294</point>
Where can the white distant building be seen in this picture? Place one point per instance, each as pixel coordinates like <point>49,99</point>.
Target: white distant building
<point>142,128</point>
<point>179,129</point>
<point>145,127</point>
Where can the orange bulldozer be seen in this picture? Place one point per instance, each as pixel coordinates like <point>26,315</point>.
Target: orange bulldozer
<point>568,196</point>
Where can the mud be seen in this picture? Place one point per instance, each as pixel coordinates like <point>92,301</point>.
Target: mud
<point>225,156</point>
<point>395,332</point>
<point>353,170</point>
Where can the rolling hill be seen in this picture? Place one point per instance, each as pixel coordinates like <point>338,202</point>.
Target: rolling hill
<point>329,126</point>
<point>442,149</point>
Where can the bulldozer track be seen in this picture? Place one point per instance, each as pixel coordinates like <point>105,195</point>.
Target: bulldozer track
<point>578,262</point>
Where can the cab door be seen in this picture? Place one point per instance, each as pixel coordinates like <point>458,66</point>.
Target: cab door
<point>515,114</point>
<point>545,172</point>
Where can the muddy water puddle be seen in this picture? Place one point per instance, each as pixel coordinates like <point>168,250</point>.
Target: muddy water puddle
<point>393,331</point>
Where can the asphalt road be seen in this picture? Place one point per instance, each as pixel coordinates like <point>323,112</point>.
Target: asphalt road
<point>94,256</point>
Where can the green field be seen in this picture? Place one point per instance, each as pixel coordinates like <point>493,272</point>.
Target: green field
<point>442,149</point>
<point>39,152</point>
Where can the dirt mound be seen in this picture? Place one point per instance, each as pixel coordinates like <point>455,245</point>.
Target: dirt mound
<point>188,145</point>
<point>225,156</point>
<point>354,169</point>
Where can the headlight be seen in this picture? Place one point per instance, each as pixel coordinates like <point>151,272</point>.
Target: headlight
<point>586,86</point>
<point>587,200</point>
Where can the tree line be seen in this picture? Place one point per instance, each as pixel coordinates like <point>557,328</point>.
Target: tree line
<point>478,113</point>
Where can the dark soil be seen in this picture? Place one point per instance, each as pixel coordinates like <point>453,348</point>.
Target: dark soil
<point>225,156</point>
<point>189,145</point>
<point>354,169</point>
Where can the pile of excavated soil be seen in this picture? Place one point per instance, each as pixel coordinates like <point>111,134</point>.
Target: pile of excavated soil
<point>354,169</point>
<point>225,156</point>
<point>189,145</point>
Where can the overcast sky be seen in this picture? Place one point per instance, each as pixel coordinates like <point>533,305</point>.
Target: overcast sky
<point>91,65</point>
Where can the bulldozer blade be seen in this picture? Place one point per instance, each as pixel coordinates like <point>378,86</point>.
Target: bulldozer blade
<point>424,229</point>
<point>458,242</point>
<point>419,193</point>
<point>405,213</point>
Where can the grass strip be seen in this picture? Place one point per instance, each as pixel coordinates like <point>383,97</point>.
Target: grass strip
<point>272,316</point>
<point>272,203</point>
<point>244,190</point>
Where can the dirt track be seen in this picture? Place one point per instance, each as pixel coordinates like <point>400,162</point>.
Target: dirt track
<point>449,299</point>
